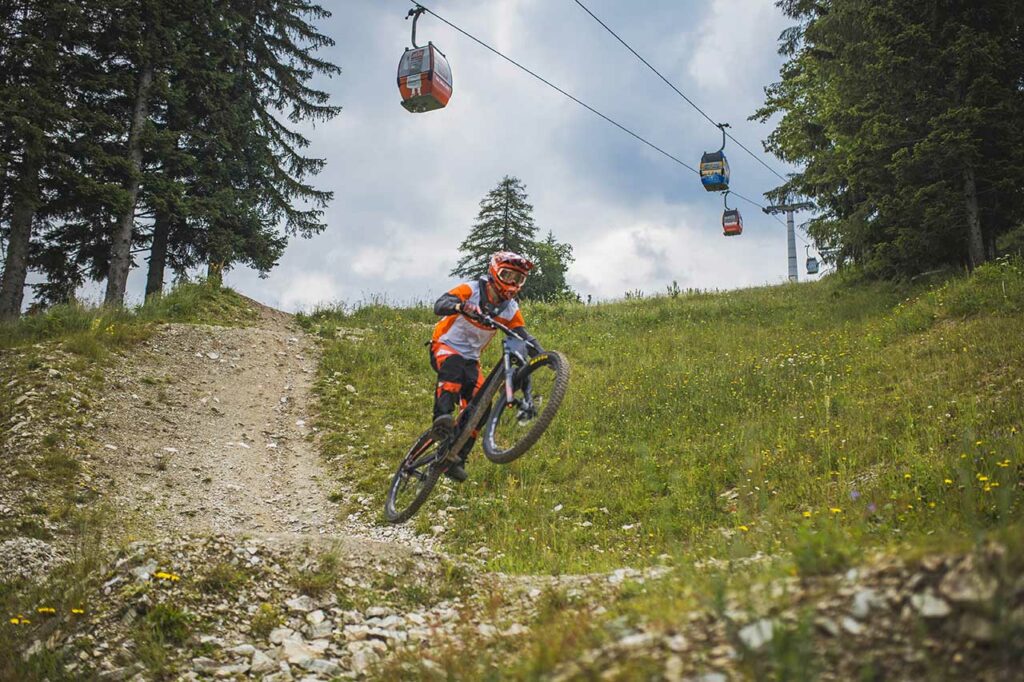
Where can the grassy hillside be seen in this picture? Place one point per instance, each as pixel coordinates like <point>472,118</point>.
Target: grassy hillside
<point>810,422</point>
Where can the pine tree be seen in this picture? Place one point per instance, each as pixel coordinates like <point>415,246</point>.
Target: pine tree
<point>36,71</point>
<point>909,121</point>
<point>504,223</point>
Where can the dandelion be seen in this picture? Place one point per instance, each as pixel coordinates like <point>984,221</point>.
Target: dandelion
<point>46,609</point>
<point>164,575</point>
<point>835,510</point>
<point>948,481</point>
<point>906,476</point>
<point>982,478</point>
<point>78,612</point>
<point>743,528</point>
<point>807,514</point>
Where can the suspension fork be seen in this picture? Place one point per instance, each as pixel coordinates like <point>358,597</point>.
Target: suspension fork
<point>509,392</point>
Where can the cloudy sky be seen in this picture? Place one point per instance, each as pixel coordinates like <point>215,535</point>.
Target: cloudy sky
<point>407,186</point>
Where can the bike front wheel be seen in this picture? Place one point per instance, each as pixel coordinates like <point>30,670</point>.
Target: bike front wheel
<point>513,428</point>
<point>415,479</point>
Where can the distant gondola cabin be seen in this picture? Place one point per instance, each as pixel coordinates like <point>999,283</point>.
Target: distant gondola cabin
<point>812,266</point>
<point>714,171</point>
<point>732,223</point>
<point>424,79</point>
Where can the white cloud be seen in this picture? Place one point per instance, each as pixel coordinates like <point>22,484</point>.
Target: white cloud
<point>308,290</point>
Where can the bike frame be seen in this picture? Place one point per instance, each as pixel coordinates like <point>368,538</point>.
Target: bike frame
<point>468,424</point>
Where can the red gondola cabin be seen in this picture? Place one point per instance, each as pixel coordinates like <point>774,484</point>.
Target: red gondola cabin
<point>424,79</point>
<point>732,223</point>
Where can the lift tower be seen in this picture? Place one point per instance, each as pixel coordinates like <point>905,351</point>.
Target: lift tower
<point>789,210</point>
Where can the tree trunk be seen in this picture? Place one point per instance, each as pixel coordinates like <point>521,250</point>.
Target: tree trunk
<point>975,242</point>
<point>121,246</point>
<point>23,211</point>
<point>158,253</point>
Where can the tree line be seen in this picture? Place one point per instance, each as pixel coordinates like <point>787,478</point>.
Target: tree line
<point>172,127</point>
<point>908,121</point>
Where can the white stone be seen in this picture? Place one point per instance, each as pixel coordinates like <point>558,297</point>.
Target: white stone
<point>242,650</point>
<point>636,641</point>
<point>261,663</point>
<point>676,643</point>
<point>299,653</point>
<point>930,606</point>
<point>302,604</point>
<point>315,617</point>
<point>864,601</point>
<point>852,626</point>
<point>757,634</point>
<point>279,635</point>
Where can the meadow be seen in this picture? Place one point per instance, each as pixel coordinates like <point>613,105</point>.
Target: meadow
<point>814,422</point>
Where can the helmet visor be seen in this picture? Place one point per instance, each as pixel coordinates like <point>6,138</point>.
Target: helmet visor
<point>511,276</point>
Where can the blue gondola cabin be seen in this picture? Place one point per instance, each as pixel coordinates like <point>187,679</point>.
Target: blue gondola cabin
<point>424,79</point>
<point>732,223</point>
<point>812,266</point>
<point>714,171</point>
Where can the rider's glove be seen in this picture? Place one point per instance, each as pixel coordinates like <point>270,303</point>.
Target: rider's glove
<point>467,308</point>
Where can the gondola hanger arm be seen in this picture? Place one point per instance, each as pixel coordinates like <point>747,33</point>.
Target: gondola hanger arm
<point>415,13</point>
<point>722,127</point>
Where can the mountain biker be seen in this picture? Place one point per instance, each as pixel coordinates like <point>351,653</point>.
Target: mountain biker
<point>458,340</point>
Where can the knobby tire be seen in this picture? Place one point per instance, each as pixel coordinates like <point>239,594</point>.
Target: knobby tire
<point>433,472</point>
<point>540,423</point>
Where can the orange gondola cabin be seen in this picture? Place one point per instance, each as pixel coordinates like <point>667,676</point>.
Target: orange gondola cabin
<point>732,223</point>
<point>424,79</point>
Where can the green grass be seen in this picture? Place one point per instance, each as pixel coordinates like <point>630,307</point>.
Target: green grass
<point>90,331</point>
<point>822,419</point>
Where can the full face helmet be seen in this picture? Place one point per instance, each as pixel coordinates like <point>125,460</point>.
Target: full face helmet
<point>507,272</point>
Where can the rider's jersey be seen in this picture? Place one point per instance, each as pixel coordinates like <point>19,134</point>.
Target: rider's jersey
<point>469,338</point>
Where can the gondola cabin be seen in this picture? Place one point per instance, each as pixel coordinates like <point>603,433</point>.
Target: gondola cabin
<point>812,266</point>
<point>424,79</point>
<point>714,171</point>
<point>732,223</point>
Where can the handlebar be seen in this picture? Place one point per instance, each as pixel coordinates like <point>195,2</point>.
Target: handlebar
<point>484,318</point>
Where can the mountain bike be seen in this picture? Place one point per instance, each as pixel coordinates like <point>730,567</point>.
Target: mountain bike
<point>515,405</point>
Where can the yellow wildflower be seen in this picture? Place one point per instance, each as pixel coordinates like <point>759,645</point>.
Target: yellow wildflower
<point>46,609</point>
<point>78,612</point>
<point>906,475</point>
<point>743,528</point>
<point>948,481</point>
<point>807,514</point>
<point>982,478</point>
<point>835,510</point>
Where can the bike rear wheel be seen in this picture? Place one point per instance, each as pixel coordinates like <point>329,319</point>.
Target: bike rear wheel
<point>415,479</point>
<point>510,431</point>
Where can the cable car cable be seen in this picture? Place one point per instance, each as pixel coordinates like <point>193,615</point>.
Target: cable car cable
<point>678,91</point>
<point>558,89</point>
<point>584,104</point>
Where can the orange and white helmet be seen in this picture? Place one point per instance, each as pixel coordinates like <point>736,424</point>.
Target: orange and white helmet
<point>508,272</point>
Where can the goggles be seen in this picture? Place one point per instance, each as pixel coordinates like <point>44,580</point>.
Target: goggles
<point>511,277</point>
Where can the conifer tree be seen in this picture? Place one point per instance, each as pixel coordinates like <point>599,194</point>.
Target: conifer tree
<point>36,70</point>
<point>909,121</point>
<point>504,223</point>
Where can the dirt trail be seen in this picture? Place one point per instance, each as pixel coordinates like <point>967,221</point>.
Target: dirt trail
<point>209,432</point>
